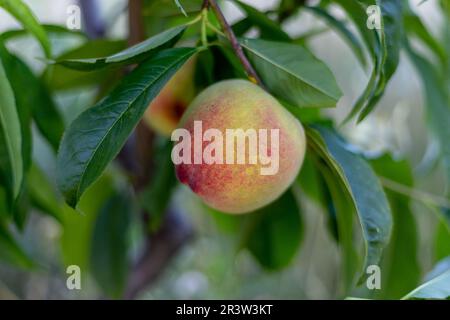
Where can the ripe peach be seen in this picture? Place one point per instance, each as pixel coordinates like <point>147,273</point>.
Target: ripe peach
<point>229,186</point>
<point>164,112</point>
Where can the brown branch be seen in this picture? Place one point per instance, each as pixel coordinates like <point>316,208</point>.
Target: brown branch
<point>251,73</point>
<point>160,249</point>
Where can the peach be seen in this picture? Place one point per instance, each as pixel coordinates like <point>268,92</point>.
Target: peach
<point>230,186</point>
<point>164,112</point>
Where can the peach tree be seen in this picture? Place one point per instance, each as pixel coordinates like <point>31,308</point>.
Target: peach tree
<point>113,155</point>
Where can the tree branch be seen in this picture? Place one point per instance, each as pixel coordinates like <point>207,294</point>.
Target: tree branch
<point>161,247</point>
<point>137,155</point>
<point>251,73</point>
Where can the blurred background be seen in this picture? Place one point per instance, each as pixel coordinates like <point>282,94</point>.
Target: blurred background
<point>209,266</point>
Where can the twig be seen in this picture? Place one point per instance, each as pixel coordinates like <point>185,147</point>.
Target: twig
<point>251,73</point>
<point>160,249</point>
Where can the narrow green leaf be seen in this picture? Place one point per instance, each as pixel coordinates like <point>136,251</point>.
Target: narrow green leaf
<point>341,29</point>
<point>442,235</point>
<point>274,233</point>
<point>401,270</point>
<point>437,288</point>
<point>98,134</point>
<point>391,35</point>
<point>357,13</point>
<point>414,26</point>
<point>37,103</point>
<point>58,77</point>
<point>362,186</point>
<point>241,27</point>
<point>19,10</point>
<point>437,102</point>
<point>21,209</point>
<point>293,74</point>
<point>270,30</point>
<point>109,253</point>
<point>178,4</point>
<point>16,71</point>
<point>48,28</point>
<point>132,55</point>
<point>384,47</point>
<point>313,184</point>
<point>11,135</point>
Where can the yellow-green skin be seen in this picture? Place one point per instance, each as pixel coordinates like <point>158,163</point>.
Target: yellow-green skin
<point>240,188</point>
<point>165,111</point>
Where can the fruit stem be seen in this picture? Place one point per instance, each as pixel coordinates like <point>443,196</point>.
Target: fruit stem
<point>251,73</point>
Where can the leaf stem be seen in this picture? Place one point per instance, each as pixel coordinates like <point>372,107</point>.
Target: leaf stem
<point>251,73</point>
<point>203,32</point>
<point>213,28</point>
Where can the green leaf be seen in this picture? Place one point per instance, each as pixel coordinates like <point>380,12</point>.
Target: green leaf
<point>19,10</point>
<point>241,27</point>
<point>293,74</point>
<point>98,134</point>
<point>156,196</point>
<point>437,288</point>
<point>269,29</point>
<point>5,204</point>
<point>36,102</point>
<point>341,29</point>
<point>42,193</point>
<point>383,48</point>
<point>16,71</point>
<point>273,233</point>
<point>442,239</point>
<point>401,253</point>
<point>357,13</point>
<point>109,253</point>
<point>178,4</point>
<point>344,210</point>
<point>10,135</point>
<point>414,26</point>
<point>363,187</point>
<point>11,252</point>
<point>391,35</point>
<point>48,28</point>
<point>58,77</point>
<point>132,55</point>
<point>313,184</point>
<point>437,102</point>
